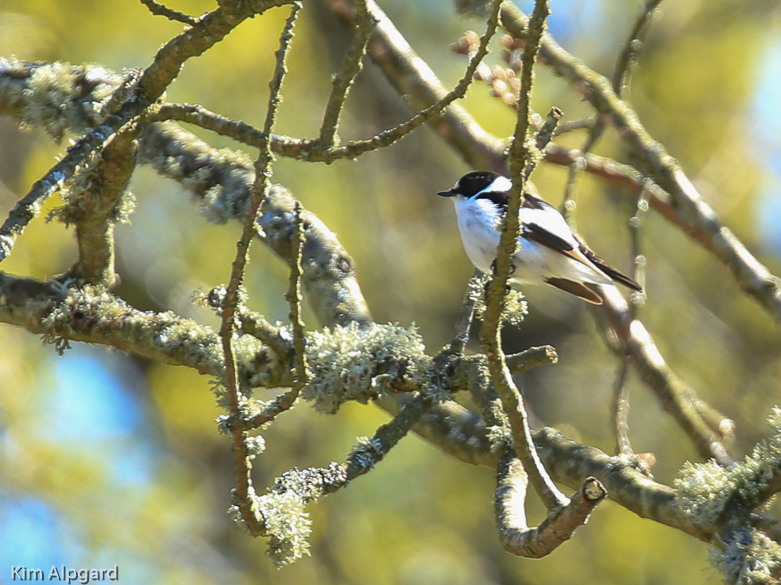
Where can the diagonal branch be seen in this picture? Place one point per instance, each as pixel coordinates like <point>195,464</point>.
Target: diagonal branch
<point>152,82</point>
<point>27,208</point>
<point>753,277</point>
<point>294,300</point>
<point>245,496</point>
<point>162,10</point>
<point>209,30</point>
<point>490,332</point>
<point>678,399</point>
<point>412,77</point>
<point>364,23</point>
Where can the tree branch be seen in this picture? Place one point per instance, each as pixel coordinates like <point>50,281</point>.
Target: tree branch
<point>244,493</point>
<point>490,334</point>
<point>515,535</point>
<point>753,277</point>
<point>161,10</point>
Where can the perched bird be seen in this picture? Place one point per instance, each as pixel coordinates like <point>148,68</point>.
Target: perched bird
<point>549,251</point>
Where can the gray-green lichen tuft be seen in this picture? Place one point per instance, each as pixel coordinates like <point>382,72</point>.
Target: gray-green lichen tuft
<point>746,556</point>
<point>287,524</point>
<point>704,489</point>
<point>354,363</point>
<point>60,97</point>
<point>367,452</point>
<point>500,437</point>
<point>94,311</point>
<point>254,445</point>
<point>83,193</point>
<point>220,180</point>
<point>515,307</point>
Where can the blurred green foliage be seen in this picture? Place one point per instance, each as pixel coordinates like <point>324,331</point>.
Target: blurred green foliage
<point>420,517</point>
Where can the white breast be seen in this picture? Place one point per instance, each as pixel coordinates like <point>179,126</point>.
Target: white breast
<point>478,220</point>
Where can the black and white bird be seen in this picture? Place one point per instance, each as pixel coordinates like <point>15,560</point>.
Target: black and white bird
<point>550,252</point>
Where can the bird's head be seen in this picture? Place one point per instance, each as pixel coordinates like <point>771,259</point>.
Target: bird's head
<point>478,183</point>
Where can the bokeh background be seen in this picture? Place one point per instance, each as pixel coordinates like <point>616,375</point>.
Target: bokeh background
<point>109,459</point>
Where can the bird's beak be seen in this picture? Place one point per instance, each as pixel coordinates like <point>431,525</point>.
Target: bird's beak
<point>448,193</point>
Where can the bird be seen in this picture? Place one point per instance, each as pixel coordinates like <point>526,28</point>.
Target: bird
<point>549,253</point>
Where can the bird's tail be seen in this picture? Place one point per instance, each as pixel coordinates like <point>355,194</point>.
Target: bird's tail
<point>617,276</point>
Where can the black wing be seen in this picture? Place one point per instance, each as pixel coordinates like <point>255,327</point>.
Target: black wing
<point>616,275</point>
<point>535,233</point>
<point>502,198</point>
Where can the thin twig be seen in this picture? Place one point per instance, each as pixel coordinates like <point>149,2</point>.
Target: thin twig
<point>568,203</point>
<point>548,129</point>
<point>461,338</point>
<point>294,299</point>
<point>544,136</point>
<point>364,23</point>
<point>209,30</point>
<point>509,499</point>
<point>620,86</point>
<point>632,47</point>
<point>574,125</point>
<point>414,79</point>
<point>388,137</point>
<point>364,456</point>
<point>620,391</point>
<point>511,399</point>
<point>161,10</point>
<point>245,496</point>
<point>620,409</point>
<point>316,150</point>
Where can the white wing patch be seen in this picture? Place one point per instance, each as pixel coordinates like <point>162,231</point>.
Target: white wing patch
<point>551,221</point>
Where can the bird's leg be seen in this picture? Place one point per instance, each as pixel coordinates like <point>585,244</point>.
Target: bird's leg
<point>493,271</point>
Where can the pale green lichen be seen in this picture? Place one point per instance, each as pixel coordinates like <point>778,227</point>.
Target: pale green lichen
<point>98,313</point>
<point>500,437</point>
<point>746,556</point>
<point>704,489</point>
<point>708,494</point>
<point>82,194</point>
<point>515,307</point>
<point>367,452</point>
<point>88,304</point>
<point>287,524</point>
<point>254,446</point>
<point>60,97</point>
<point>355,363</point>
